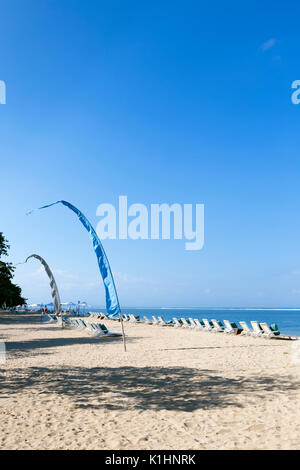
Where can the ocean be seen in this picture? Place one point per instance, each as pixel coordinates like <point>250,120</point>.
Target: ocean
<point>288,320</point>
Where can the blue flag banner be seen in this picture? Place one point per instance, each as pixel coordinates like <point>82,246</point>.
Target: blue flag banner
<point>112,301</point>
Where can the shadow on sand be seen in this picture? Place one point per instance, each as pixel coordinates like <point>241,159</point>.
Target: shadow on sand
<point>157,388</point>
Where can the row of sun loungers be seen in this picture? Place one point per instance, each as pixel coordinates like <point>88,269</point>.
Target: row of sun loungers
<point>93,328</point>
<point>258,329</point>
<point>96,329</point>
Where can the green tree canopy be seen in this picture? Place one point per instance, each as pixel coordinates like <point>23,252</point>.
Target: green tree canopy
<point>10,294</point>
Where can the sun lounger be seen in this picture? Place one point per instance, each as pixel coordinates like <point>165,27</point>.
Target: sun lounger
<point>257,331</point>
<point>198,324</point>
<point>155,320</point>
<point>81,325</point>
<point>97,330</point>
<point>185,323</point>
<point>217,327</point>
<point>72,323</point>
<point>106,332</point>
<point>267,332</point>
<point>228,327</point>
<point>192,323</point>
<point>207,325</point>
<point>134,319</point>
<point>246,331</point>
<point>146,320</point>
<point>176,323</point>
<point>162,322</point>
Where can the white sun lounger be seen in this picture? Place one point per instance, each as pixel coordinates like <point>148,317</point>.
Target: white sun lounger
<point>228,327</point>
<point>246,330</point>
<point>267,332</point>
<point>185,324</point>
<point>207,325</point>
<point>81,325</point>
<point>155,320</point>
<point>192,323</point>
<point>133,319</point>
<point>177,323</point>
<point>73,323</point>
<point>217,328</point>
<point>146,320</point>
<point>103,331</point>
<point>257,331</point>
<point>198,324</point>
<point>162,322</point>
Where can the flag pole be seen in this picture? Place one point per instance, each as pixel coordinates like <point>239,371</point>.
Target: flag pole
<point>123,332</point>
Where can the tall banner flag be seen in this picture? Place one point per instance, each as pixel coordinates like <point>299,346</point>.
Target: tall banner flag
<point>54,289</point>
<point>112,301</point>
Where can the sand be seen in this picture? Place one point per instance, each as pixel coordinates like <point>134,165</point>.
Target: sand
<point>173,389</point>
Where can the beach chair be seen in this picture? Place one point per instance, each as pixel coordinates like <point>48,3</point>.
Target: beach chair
<point>217,326</point>
<point>147,320</point>
<point>155,320</point>
<point>246,331</point>
<point>228,327</point>
<point>104,331</point>
<point>132,318</point>
<point>164,322</point>
<point>86,326</point>
<point>207,325</point>
<point>176,323</point>
<point>267,332</point>
<point>185,323</point>
<point>198,324</point>
<point>192,323</point>
<point>72,323</point>
<point>93,329</point>
<point>79,324</point>
<point>257,331</point>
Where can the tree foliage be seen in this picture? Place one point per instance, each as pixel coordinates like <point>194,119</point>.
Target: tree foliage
<point>10,294</point>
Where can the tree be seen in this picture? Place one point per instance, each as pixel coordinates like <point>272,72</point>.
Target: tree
<point>10,294</point>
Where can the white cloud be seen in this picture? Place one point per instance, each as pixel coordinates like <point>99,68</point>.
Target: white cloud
<point>268,44</point>
<point>128,278</point>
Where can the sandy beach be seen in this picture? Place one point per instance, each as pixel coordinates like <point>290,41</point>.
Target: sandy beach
<point>173,389</point>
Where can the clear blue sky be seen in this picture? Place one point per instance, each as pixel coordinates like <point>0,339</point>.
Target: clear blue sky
<point>162,101</point>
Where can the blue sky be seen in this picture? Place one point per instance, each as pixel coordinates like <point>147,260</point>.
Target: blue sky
<point>163,102</point>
